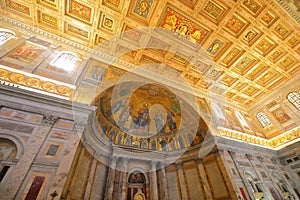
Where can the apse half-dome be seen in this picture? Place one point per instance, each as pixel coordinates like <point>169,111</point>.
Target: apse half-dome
<point>148,116</point>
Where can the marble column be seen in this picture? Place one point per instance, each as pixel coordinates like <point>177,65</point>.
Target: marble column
<point>124,179</point>
<point>13,181</point>
<point>111,179</point>
<point>163,182</point>
<point>204,180</point>
<point>183,187</point>
<point>64,167</point>
<point>153,182</point>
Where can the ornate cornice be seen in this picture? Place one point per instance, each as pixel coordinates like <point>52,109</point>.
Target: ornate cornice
<point>291,11</point>
<point>275,143</point>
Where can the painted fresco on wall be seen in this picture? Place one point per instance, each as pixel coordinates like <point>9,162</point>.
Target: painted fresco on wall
<point>26,52</point>
<point>96,71</point>
<point>281,116</point>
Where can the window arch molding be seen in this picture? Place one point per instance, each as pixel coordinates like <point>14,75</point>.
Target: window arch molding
<point>294,98</point>
<point>64,60</point>
<point>263,119</point>
<point>5,35</point>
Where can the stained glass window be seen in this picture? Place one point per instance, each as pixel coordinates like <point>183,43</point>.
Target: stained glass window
<point>5,35</point>
<point>64,60</point>
<point>294,98</point>
<point>263,119</point>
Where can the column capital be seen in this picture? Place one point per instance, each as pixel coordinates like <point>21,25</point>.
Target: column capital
<point>153,165</point>
<point>49,119</point>
<point>179,165</point>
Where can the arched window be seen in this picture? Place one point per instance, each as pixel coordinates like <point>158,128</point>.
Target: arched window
<point>64,60</point>
<point>241,119</point>
<point>263,119</point>
<point>218,111</point>
<point>5,35</point>
<point>294,98</point>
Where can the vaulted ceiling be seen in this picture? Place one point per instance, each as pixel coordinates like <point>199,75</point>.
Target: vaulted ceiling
<point>255,44</point>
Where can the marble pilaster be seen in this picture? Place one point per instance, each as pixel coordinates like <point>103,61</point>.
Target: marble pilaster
<point>110,179</point>
<point>204,180</point>
<point>153,182</point>
<point>11,184</point>
<point>182,183</point>
<point>123,179</point>
<point>163,182</point>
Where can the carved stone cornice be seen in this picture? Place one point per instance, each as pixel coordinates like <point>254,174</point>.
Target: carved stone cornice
<point>288,8</point>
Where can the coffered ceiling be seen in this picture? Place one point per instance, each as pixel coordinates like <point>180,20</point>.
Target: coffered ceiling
<point>255,44</point>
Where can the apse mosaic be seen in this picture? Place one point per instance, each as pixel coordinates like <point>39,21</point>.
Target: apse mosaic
<point>182,26</point>
<point>146,117</point>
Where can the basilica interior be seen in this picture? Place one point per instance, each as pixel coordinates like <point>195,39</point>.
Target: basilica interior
<point>149,99</point>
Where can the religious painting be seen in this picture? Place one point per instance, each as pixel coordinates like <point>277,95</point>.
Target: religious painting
<point>265,46</point>
<point>18,7</point>
<point>214,10</point>
<point>77,31</point>
<point>280,115</point>
<point>114,4</point>
<point>252,6</point>
<point>96,71</point>
<point>143,7</point>
<point>268,18</point>
<point>232,56</point>
<point>136,177</point>
<point>26,52</point>
<point>236,24</point>
<point>181,26</point>
<point>215,47</point>
<point>79,11</point>
<point>282,31</point>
